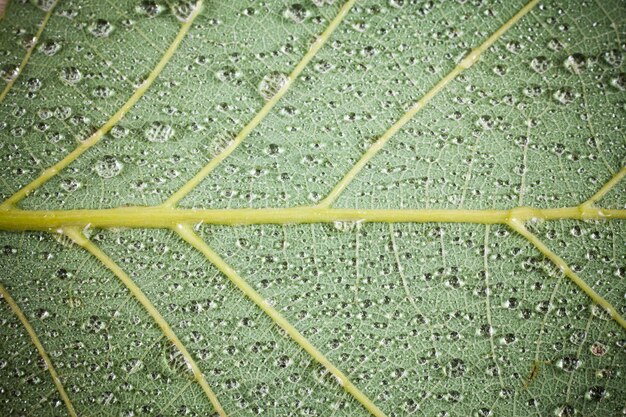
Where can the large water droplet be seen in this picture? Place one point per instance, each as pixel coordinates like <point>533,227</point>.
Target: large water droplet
<point>296,13</point>
<point>100,28</point>
<point>108,167</point>
<point>575,63</point>
<point>159,132</point>
<point>540,64</point>
<point>271,84</point>
<point>71,75</point>
<point>183,10</point>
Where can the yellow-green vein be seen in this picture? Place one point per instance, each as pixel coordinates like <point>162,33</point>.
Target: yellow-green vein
<point>520,228</point>
<point>605,188</point>
<point>189,236</point>
<point>42,351</point>
<point>464,64</point>
<point>81,240</point>
<point>167,217</point>
<point>29,51</point>
<point>258,118</point>
<point>98,134</point>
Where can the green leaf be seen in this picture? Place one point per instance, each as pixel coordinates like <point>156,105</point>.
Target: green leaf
<point>280,208</point>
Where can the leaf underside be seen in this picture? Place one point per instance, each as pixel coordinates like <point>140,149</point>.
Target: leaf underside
<point>423,318</point>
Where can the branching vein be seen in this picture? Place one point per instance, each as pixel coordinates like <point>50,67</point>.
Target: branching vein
<point>258,118</point>
<point>98,134</point>
<point>81,240</point>
<point>42,351</point>
<point>189,236</point>
<point>29,51</point>
<point>464,64</point>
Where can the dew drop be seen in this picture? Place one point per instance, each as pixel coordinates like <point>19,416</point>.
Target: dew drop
<point>598,349</point>
<point>70,185</point>
<point>177,362</point>
<point>569,363</point>
<point>575,63</point>
<point>71,75</point>
<point>540,64</point>
<point>9,72</point>
<point>149,9</point>
<point>45,5</point>
<point>564,96</point>
<point>297,13</point>
<point>159,132</point>
<point>101,28</point>
<point>108,167</point>
<point>613,57</point>
<point>228,74</point>
<point>272,83</point>
<point>50,48</point>
<point>183,10</point>
<point>596,393</point>
<point>619,82</point>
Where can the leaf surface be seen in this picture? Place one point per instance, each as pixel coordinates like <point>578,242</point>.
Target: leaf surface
<point>447,177</point>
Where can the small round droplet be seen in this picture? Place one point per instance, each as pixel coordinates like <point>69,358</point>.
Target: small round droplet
<point>45,5</point>
<point>159,132</point>
<point>50,48</point>
<point>100,28</point>
<point>149,9</point>
<point>569,363</point>
<point>297,13</point>
<point>564,95</point>
<point>272,83</point>
<point>9,72</point>
<point>71,75</point>
<point>183,10</point>
<point>540,64</point>
<point>108,167</point>
<point>575,63</point>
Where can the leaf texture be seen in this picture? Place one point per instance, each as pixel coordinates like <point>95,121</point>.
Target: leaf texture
<point>312,208</point>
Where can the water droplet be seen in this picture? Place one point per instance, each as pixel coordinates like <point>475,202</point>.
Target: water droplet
<point>149,8</point>
<point>228,74</point>
<point>45,5</point>
<point>575,63</point>
<point>296,13</point>
<point>108,167</point>
<point>70,185</point>
<point>346,226</point>
<point>159,132</point>
<point>596,393</point>
<point>598,349</point>
<point>397,4</point>
<point>71,75</point>
<point>613,57</point>
<point>272,83</point>
<point>569,363</point>
<point>50,48</point>
<point>540,64</point>
<point>176,361</point>
<point>183,10</point>
<point>9,72</point>
<point>564,95</point>
<point>100,28</point>
<point>619,82</point>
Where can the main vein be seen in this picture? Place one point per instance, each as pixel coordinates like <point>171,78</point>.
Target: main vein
<point>81,240</point>
<point>29,51</point>
<point>42,351</point>
<point>98,134</point>
<point>167,217</point>
<point>258,118</point>
<point>189,236</point>
<point>464,64</point>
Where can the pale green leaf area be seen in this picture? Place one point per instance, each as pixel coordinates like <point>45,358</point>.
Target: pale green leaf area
<point>312,208</point>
